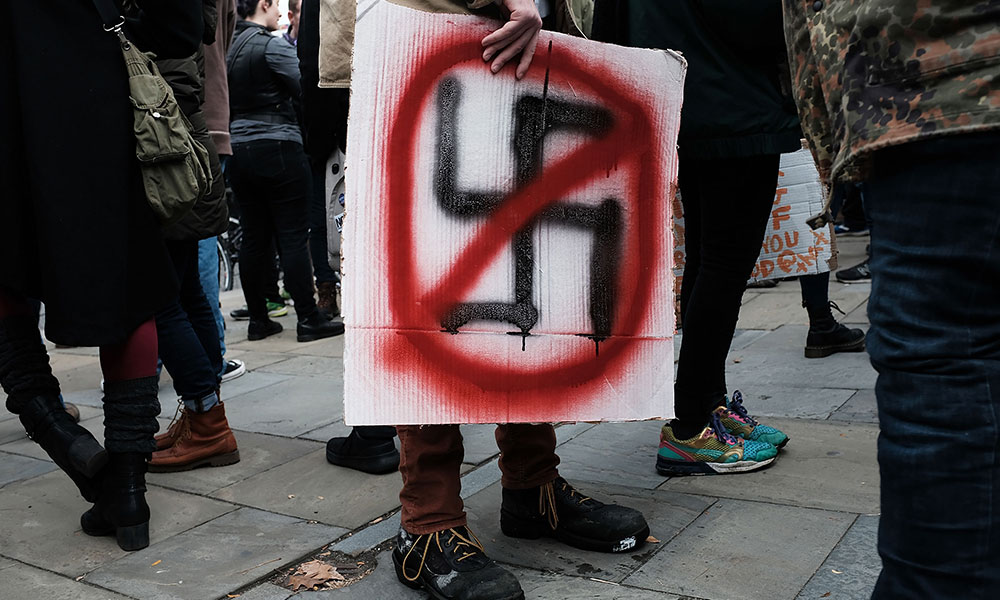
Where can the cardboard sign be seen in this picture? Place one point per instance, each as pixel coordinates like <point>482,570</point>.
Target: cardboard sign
<point>507,249</point>
<point>790,246</point>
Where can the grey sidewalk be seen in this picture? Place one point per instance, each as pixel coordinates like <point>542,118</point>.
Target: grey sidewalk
<point>803,529</point>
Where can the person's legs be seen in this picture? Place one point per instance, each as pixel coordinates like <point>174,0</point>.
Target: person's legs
<point>735,196</point>
<point>208,273</point>
<point>935,342</point>
<point>826,336</point>
<point>130,410</point>
<point>430,461</point>
<point>691,201</point>
<point>731,201</point>
<point>326,277</point>
<point>33,394</point>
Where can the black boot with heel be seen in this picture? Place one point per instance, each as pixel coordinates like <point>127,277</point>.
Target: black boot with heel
<point>130,410</point>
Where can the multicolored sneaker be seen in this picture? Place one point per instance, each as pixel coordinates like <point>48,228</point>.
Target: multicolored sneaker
<point>713,451</point>
<point>737,421</point>
<point>276,309</point>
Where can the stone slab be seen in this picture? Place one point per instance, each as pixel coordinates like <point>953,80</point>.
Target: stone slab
<point>91,396</point>
<point>290,407</point>
<point>6,562</point>
<point>86,377</point>
<point>11,430</point>
<point>861,408</point>
<point>777,359</point>
<point>772,308</point>
<point>320,492</point>
<point>851,570</point>
<point>825,465</point>
<point>21,582</point>
<point>742,338</point>
<point>324,433</point>
<point>266,591</point>
<point>667,514</point>
<point>553,586</point>
<point>95,425</point>
<point>859,316</point>
<point>254,381</point>
<point>798,403</point>
<point>258,453</point>
<point>256,359</point>
<point>214,558</point>
<point>41,523</point>
<point>320,366</point>
<point>616,453</point>
<point>331,347</point>
<point>18,468</point>
<point>66,362</point>
<point>739,549</point>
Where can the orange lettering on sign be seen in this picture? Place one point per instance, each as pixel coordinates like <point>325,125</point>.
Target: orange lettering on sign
<point>791,239</point>
<point>780,214</point>
<point>786,261</point>
<point>766,268</point>
<point>820,237</point>
<point>774,245</point>
<point>778,193</point>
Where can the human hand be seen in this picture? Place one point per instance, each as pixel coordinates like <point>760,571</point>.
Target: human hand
<point>518,35</point>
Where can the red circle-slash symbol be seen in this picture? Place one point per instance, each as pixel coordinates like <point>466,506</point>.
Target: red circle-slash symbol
<point>629,145</point>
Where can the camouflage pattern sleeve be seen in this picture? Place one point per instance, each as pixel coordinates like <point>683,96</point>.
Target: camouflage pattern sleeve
<point>869,74</point>
<point>807,88</point>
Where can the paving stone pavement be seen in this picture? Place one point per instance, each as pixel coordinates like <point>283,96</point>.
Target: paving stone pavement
<point>804,528</point>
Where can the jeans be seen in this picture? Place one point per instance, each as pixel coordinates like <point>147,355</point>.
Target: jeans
<point>273,187</point>
<point>188,335</point>
<point>317,227</point>
<point>430,461</point>
<point>727,203</point>
<point>935,342</point>
<point>208,271</point>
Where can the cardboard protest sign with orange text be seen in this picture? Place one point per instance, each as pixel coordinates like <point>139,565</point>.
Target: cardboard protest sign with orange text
<point>507,251</point>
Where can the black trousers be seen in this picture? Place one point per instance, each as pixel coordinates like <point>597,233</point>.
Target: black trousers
<point>273,186</point>
<point>727,203</point>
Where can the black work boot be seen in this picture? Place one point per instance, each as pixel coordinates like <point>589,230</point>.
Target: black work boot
<point>317,327</point>
<point>366,449</point>
<point>258,330</point>
<point>121,508</point>
<point>130,410</point>
<point>33,395</point>
<point>452,565</point>
<point>826,336</point>
<point>557,510</point>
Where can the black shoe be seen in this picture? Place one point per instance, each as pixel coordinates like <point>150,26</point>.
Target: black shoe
<point>820,344</point>
<point>240,314</point>
<point>377,456</point>
<point>71,447</point>
<point>258,330</point>
<point>316,327</point>
<point>858,273</point>
<point>121,508</point>
<point>557,510</point>
<point>452,565</point>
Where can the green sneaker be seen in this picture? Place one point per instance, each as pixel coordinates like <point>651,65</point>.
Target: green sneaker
<point>737,421</point>
<point>713,451</point>
<point>276,309</point>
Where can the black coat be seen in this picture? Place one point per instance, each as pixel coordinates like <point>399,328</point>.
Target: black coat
<point>737,97</point>
<point>76,230</point>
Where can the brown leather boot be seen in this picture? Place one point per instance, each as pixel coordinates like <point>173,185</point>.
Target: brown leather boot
<point>327,298</point>
<point>205,439</point>
<point>179,422</point>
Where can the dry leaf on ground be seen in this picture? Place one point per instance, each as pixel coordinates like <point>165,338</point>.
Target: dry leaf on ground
<point>652,540</point>
<point>313,574</point>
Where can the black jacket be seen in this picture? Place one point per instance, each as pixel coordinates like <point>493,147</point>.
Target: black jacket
<point>258,89</point>
<point>737,97</point>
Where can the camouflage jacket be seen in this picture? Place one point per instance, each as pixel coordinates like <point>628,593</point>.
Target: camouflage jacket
<point>875,73</point>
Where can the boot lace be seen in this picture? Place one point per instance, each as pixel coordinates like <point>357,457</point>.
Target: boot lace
<point>720,430</point>
<point>834,306</point>
<point>547,499</point>
<point>736,405</point>
<point>466,547</point>
<point>178,414</point>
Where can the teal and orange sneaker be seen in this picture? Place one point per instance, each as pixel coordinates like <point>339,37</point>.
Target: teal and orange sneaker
<point>737,421</point>
<point>711,452</point>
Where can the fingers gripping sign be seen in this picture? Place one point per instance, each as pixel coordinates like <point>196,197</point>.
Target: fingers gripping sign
<point>519,35</point>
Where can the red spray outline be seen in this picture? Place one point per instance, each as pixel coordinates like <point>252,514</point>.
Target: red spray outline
<point>629,143</point>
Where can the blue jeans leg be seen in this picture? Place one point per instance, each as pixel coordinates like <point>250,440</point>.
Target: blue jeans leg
<point>208,271</point>
<point>935,342</point>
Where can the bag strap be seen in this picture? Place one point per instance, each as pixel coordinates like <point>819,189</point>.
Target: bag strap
<point>113,20</point>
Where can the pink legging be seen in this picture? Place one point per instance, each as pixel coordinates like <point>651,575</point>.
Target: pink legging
<point>131,359</point>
